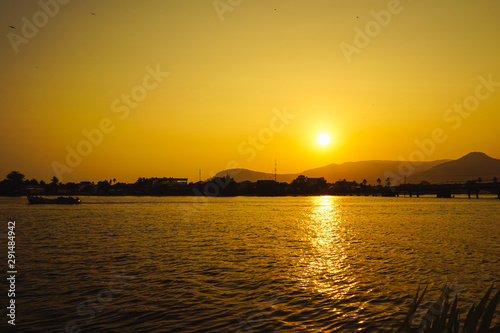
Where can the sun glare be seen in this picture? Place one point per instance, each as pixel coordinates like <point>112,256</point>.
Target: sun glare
<point>323,139</point>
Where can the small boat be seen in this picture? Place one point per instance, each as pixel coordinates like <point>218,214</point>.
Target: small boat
<point>32,199</point>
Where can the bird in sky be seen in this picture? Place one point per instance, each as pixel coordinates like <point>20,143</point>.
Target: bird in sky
<point>10,26</point>
<point>92,13</point>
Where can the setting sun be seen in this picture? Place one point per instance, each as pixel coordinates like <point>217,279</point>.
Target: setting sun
<point>323,139</point>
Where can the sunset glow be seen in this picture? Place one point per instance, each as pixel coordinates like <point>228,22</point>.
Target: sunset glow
<point>259,166</point>
<point>323,139</point>
<point>125,90</point>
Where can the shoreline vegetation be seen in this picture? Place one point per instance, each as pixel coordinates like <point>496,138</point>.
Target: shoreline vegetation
<point>15,184</point>
<point>444,314</point>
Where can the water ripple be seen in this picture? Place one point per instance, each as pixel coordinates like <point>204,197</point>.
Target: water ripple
<point>304,264</point>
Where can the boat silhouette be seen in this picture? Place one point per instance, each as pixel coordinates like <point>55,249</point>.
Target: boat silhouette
<point>32,199</point>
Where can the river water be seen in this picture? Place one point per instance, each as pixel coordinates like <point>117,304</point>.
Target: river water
<point>244,264</point>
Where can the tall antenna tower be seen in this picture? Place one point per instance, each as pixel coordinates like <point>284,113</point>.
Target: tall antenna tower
<point>274,169</point>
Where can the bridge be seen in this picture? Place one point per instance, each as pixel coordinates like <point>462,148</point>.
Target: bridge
<point>447,190</point>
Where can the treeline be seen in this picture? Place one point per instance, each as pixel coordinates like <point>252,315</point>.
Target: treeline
<point>15,184</point>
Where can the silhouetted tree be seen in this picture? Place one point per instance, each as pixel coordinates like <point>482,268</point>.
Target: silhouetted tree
<point>54,185</point>
<point>322,184</point>
<point>479,179</point>
<point>365,182</point>
<point>228,187</point>
<point>15,176</point>
<point>379,181</point>
<point>103,186</point>
<point>344,187</point>
<point>13,184</point>
<point>265,188</point>
<point>388,180</point>
<point>495,179</point>
<point>299,184</point>
<point>71,187</point>
<point>32,182</point>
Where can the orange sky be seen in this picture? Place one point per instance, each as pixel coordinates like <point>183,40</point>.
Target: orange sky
<point>248,82</point>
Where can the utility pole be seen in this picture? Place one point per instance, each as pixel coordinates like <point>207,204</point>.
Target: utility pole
<point>274,169</point>
<point>200,174</point>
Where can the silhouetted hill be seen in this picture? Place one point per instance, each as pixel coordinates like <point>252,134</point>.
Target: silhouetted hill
<point>468,167</point>
<point>369,170</point>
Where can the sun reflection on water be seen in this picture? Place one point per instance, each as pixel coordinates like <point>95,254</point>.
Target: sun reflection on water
<point>324,269</point>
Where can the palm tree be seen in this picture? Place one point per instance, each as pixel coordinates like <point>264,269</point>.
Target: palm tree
<point>53,186</point>
<point>379,181</point>
<point>364,182</point>
<point>388,180</point>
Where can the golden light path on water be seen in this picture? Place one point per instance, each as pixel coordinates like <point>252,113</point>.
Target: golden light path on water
<point>326,270</point>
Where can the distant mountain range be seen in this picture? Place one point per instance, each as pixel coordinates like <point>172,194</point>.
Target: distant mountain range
<point>470,166</point>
